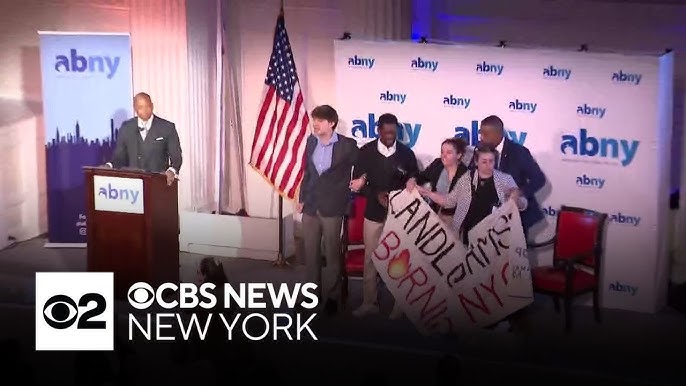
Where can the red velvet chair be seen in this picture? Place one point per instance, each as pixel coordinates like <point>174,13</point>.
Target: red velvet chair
<point>352,243</point>
<point>577,243</point>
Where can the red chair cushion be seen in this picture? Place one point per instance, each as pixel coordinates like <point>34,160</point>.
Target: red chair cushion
<point>354,262</point>
<point>551,279</point>
<point>356,221</point>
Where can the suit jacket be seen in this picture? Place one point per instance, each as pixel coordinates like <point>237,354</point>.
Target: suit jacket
<point>160,150</point>
<point>461,196</point>
<point>517,161</point>
<point>329,193</point>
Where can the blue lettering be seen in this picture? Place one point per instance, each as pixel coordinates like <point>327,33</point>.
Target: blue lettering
<point>585,109</point>
<point>422,64</point>
<point>623,77</point>
<point>550,211</point>
<point>625,219</point>
<point>518,105</point>
<point>112,193</point>
<point>451,100</point>
<point>487,68</point>
<point>79,63</point>
<point>586,181</point>
<point>589,146</point>
<point>619,287</point>
<point>388,96</point>
<point>551,72</point>
<point>358,61</point>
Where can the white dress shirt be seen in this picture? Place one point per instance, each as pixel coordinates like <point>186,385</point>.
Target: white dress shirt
<point>385,151</point>
<point>146,125</point>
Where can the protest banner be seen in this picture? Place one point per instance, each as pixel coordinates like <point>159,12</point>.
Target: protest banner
<point>440,284</point>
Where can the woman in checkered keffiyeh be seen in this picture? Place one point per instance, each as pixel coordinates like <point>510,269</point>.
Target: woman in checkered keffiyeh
<point>477,194</point>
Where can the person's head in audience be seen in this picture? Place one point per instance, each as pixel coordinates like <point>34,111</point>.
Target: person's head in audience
<point>484,157</point>
<point>491,131</point>
<point>211,271</point>
<point>452,150</point>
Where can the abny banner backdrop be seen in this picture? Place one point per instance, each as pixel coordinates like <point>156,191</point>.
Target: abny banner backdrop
<point>598,125</point>
<point>87,94</point>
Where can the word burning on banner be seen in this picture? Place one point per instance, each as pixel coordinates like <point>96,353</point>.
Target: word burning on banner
<point>440,284</point>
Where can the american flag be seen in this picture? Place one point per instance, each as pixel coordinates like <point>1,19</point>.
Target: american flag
<point>279,145</point>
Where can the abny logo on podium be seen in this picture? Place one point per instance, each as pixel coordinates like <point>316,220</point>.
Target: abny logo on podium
<point>74,311</point>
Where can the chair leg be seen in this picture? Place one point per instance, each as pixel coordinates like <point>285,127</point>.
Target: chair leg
<point>556,302</point>
<point>596,305</point>
<point>568,313</point>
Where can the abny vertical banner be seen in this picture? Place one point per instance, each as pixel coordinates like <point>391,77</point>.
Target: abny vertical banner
<point>87,94</point>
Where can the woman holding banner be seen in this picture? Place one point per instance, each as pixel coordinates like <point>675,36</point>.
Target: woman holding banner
<point>443,173</point>
<point>477,194</point>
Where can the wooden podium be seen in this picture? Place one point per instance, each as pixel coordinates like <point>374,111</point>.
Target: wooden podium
<point>132,226</point>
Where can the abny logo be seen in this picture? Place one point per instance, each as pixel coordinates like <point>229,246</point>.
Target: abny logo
<point>623,150</point>
<point>627,78</point>
<point>389,96</point>
<point>94,63</point>
<point>522,106</point>
<point>423,64</point>
<point>457,102</point>
<point>585,181</point>
<point>125,194</point>
<point>551,72</point>
<point>626,288</point>
<point>591,111</point>
<point>74,311</point>
<point>489,68</point>
<point>471,135</point>
<point>407,132</point>
<point>360,62</point>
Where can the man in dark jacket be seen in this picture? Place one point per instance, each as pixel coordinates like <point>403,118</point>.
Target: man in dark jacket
<point>148,142</point>
<point>324,199</point>
<point>383,165</point>
<point>516,160</point>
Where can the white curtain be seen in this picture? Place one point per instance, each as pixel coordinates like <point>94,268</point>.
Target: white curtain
<point>232,172</point>
<point>160,68</point>
<point>204,66</point>
<point>175,60</point>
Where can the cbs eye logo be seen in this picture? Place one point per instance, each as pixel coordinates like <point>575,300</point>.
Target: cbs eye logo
<point>61,311</point>
<point>141,295</point>
<point>74,311</point>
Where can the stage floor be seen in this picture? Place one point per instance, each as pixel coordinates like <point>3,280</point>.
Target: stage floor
<point>626,348</point>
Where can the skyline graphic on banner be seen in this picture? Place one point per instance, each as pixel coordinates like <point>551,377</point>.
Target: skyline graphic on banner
<point>87,95</point>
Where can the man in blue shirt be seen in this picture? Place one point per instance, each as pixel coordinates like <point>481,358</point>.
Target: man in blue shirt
<point>324,199</point>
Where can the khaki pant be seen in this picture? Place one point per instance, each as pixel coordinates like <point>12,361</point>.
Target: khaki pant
<point>323,233</point>
<point>372,233</point>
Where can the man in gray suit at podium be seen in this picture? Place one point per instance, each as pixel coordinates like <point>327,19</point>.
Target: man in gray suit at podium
<point>148,142</point>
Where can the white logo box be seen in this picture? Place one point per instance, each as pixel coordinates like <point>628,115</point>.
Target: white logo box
<point>118,194</point>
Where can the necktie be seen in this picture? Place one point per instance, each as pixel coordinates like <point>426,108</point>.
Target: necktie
<point>143,131</point>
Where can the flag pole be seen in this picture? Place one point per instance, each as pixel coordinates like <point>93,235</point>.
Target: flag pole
<point>281,259</point>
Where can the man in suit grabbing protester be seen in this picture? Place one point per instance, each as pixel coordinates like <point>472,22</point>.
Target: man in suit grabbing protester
<point>148,142</point>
